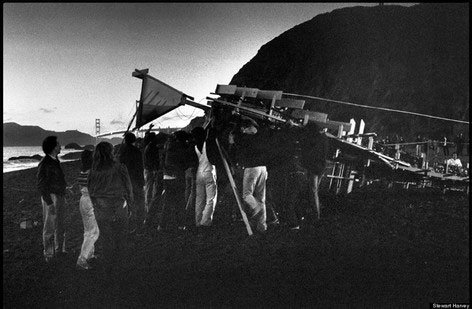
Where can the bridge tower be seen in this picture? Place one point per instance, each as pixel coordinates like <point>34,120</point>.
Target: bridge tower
<point>97,130</point>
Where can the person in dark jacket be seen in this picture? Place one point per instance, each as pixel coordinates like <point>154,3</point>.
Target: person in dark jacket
<point>132,157</point>
<point>151,166</point>
<point>292,174</point>
<point>52,186</point>
<point>173,197</point>
<point>155,207</point>
<point>190,180</point>
<point>315,149</point>
<point>111,192</point>
<point>250,155</point>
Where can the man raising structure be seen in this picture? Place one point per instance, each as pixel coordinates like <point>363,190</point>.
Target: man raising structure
<point>250,155</point>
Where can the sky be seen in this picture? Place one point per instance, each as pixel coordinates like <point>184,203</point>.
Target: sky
<point>67,64</point>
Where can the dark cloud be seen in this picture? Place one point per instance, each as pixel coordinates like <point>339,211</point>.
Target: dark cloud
<point>115,121</point>
<point>46,110</point>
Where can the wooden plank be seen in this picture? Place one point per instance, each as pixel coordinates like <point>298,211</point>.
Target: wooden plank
<point>246,92</point>
<point>197,105</point>
<point>269,94</point>
<point>235,190</point>
<point>252,111</point>
<point>312,116</point>
<point>361,131</point>
<point>290,103</point>
<point>361,135</point>
<point>140,73</point>
<point>342,178</point>
<point>351,130</point>
<point>225,89</point>
<point>331,125</point>
<point>336,124</point>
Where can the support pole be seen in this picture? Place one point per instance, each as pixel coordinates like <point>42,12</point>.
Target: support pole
<point>235,191</point>
<point>340,181</point>
<point>334,170</point>
<point>129,126</point>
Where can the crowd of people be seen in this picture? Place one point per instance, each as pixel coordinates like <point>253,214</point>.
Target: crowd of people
<point>176,182</point>
<point>172,182</point>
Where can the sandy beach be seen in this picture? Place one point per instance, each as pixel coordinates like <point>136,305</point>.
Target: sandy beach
<point>373,247</point>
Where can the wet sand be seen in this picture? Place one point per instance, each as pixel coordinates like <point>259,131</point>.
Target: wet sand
<point>376,246</point>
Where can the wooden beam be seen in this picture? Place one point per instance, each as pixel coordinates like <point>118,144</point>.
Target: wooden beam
<point>252,111</point>
<point>197,105</point>
<point>269,94</point>
<point>225,89</point>
<point>235,189</point>
<point>290,103</point>
<point>361,131</point>
<point>242,91</point>
<point>246,92</point>
<point>346,125</point>
<point>140,73</point>
<point>361,135</point>
<point>312,116</point>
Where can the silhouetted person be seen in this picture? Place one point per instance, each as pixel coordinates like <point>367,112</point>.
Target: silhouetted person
<point>315,148</point>
<point>132,157</point>
<point>293,174</point>
<point>173,196</point>
<point>52,186</point>
<point>250,155</point>
<point>111,193</point>
<point>155,207</point>
<point>151,167</point>
<point>190,180</point>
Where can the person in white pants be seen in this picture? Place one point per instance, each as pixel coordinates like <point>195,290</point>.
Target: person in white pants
<point>251,148</point>
<point>206,188</point>
<point>91,231</point>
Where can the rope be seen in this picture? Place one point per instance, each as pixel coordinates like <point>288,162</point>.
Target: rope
<point>417,143</point>
<point>380,108</point>
<point>179,114</point>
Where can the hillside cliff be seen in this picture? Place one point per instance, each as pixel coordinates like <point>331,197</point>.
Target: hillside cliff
<point>18,135</point>
<point>408,58</point>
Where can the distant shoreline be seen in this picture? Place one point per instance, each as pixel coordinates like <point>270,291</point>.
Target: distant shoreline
<point>35,167</point>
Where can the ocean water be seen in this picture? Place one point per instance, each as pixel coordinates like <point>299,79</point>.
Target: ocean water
<point>15,165</point>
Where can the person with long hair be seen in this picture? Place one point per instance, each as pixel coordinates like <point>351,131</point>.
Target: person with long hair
<point>111,192</point>
<point>91,231</point>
